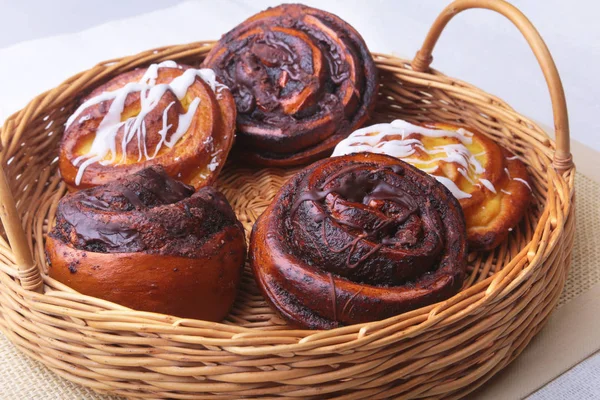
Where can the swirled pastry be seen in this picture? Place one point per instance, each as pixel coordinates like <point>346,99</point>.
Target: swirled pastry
<point>167,114</point>
<point>150,243</point>
<point>302,80</point>
<point>358,238</point>
<point>491,184</point>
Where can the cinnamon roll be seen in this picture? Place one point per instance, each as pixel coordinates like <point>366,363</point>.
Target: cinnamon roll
<point>491,184</point>
<point>302,80</point>
<point>150,243</point>
<point>167,114</point>
<point>358,238</point>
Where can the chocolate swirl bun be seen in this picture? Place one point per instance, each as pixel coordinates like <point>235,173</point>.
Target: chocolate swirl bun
<point>358,238</point>
<point>302,80</point>
<point>150,243</point>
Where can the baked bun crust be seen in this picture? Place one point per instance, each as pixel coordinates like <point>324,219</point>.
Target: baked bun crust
<point>358,238</point>
<point>150,243</point>
<point>302,80</point>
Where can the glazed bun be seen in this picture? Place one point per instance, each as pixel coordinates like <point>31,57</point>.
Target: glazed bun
<point>167,114</point>
<point>491,184</point>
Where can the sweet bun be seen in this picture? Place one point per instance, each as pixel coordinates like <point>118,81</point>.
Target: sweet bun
<point>150,243</point>
<point>167,114</point>
<point>302,80</point>
<point>491,184</point>
<point>358,238</point>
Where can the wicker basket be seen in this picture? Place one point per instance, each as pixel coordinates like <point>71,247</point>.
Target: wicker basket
<point>444,350</point>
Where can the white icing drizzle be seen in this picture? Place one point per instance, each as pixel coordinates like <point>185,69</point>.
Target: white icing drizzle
<point>505,191</point>
<point>449,183</point>
<point>214,162</point>
<point>105,142</point>
<point>512,158</point>
<point>523,181</point>
<point>398,127</point>
<point>85,118</point>
<point>464,173</point>
<point>488,185</point>
<point>376,139</point>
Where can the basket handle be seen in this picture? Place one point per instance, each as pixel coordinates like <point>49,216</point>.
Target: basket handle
<point>28,272</point>
<point>563,160</point>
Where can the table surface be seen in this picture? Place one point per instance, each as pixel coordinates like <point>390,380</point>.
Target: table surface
<point>479,47</point>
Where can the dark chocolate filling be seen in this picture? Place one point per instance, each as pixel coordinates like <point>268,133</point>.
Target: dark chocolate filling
<point>147,211</point>
<point>370,225</point>
<point>358,238</point>
<point>268,63</point>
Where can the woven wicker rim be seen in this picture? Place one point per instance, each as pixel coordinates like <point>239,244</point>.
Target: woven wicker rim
<point>448,349</point>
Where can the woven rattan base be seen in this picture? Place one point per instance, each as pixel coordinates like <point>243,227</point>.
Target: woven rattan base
<point>21,378</point>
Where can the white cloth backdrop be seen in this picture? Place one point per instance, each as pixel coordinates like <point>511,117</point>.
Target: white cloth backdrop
<point>64,37</point>
<point>478,46</point>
